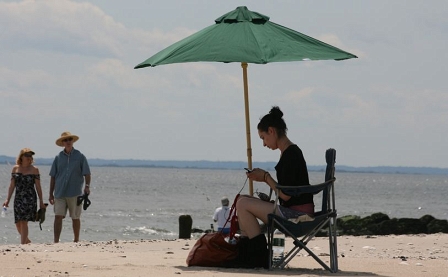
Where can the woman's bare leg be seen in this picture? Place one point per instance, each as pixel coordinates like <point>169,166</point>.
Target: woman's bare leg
<point>22,228</point>
<point>248,210</point>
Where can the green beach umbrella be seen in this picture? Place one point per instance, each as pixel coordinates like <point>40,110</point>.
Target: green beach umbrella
<point>247,37</point>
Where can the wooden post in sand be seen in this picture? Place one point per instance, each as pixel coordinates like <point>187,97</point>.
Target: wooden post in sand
<point>185,224</point>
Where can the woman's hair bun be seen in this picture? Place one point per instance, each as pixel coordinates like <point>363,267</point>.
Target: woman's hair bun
<point>276,112</point>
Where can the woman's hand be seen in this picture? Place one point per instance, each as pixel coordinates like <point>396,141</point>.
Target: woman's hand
<point>256,174</point>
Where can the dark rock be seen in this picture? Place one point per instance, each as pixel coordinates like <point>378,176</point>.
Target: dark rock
<point>437,226</point>
<point>370,224</point>
<point>349,224</point>
<point>388,227</point>
<point>354,225</point>
<point>402,226</point>
<point>426,219</point>
<point>197,230</point>
<point>381,224</point>
<point>375,218</point>
<point>411,226</point>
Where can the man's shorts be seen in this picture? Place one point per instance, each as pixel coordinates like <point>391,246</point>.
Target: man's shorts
<point>61,205</point>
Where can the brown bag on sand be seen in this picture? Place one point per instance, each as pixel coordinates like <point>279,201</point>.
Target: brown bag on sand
<point>212,250</point>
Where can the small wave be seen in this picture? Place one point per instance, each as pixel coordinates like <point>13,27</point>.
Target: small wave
<point>147,231</point>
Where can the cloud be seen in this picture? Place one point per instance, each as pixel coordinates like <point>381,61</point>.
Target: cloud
<point>70,27</point>
<point>74,29</point>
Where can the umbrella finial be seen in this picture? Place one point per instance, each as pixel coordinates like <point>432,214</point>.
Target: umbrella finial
<point>241,14</point>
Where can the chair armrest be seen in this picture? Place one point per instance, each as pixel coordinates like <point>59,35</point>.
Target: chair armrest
<point>314,189</point>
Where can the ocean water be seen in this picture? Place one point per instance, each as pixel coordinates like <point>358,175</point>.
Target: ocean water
<point>145,203</point>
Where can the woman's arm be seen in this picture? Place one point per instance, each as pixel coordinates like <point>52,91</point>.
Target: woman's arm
<point>261,175</point>
<point>12,186</point>
<point>272,184</point>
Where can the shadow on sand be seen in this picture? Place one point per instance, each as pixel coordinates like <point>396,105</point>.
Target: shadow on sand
<point>277,272</point>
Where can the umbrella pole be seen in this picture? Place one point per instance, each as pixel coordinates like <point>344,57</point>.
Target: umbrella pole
<point>246,108</point>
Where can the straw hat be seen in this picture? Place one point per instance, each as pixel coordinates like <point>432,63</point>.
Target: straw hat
<point>65,135</point>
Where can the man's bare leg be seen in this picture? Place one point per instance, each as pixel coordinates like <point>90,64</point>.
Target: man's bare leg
<point>76,223</point>
<point>57,227</point>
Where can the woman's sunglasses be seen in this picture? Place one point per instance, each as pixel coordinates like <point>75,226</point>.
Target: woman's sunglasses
<point>28,155</point>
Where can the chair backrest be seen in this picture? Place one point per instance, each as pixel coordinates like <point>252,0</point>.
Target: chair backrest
<point>305,231</point>
<point>330,157</point>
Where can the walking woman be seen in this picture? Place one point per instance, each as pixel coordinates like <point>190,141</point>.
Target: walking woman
<point>25,180</point>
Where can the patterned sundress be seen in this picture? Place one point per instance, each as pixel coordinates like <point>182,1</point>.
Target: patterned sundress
<point>25,200</point>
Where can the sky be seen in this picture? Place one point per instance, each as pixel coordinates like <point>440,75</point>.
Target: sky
<point>69,66</point>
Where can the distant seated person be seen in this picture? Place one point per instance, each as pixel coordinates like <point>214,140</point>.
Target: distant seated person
<point>221,215</point>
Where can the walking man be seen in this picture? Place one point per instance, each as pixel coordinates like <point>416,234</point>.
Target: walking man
<point>69,172</point>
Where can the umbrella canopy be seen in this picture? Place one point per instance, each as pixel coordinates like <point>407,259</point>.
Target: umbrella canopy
<point>248,37</point>
<point>245,36</point>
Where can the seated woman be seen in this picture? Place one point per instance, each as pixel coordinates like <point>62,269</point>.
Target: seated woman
<point>291,170</point>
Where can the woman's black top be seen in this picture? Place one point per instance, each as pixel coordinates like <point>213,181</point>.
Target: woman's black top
<point>292,171</point>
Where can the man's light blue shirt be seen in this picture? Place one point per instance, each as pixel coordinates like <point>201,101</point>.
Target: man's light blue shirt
<point>69,171</point>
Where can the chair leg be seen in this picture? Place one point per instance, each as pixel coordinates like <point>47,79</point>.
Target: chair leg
<point>300,244</point>
<point>270,232</point>
<point>333,245</point>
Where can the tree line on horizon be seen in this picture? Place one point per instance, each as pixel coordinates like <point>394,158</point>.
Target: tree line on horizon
<point>204,164</point>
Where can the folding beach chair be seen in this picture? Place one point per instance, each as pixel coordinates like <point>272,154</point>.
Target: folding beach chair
<point>304,231</point>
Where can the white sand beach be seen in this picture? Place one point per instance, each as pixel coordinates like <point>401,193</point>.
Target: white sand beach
<point>403,255</point>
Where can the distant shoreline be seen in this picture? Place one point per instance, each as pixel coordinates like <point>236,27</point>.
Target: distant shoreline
<point>234,165</point>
